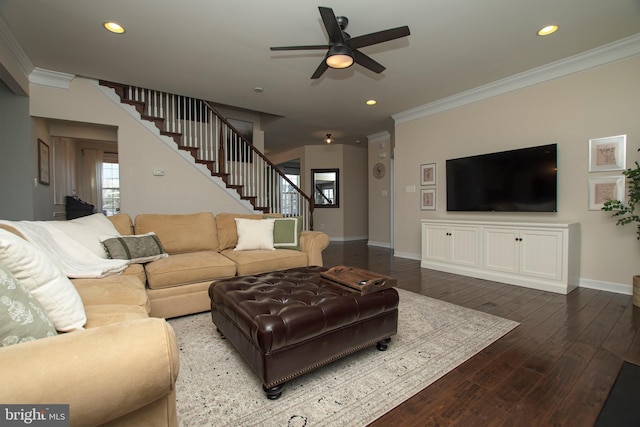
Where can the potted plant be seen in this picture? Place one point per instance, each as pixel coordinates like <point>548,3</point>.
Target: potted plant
<point>625,213</point>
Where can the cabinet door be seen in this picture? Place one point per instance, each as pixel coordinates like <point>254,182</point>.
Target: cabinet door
<point>464,246</point>
<point>501,249</point>
<point>435,242</point>
<point>541,253</point>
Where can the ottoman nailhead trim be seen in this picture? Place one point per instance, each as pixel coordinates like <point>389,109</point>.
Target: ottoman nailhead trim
<point>326,362</point>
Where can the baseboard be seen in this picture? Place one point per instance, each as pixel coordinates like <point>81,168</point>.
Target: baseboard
<point>347,238</point>
<point>379,244</point>
<point>618,288</point>
<point>407,255</point>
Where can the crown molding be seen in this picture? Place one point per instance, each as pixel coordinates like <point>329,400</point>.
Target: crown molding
<point>50,78</point>
<point>17,65</point>
<point>606,54</point>
<point>380,136</point>
<point>14,51</point>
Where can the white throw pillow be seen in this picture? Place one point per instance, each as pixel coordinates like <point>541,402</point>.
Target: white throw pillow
<point>254,234</point>
<point>38,273</point>
<point>87,231</point>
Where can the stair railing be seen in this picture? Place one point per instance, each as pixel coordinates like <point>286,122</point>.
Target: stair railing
<point>199,128</point>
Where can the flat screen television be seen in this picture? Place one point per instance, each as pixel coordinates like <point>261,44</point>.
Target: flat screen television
<point>522,180</point>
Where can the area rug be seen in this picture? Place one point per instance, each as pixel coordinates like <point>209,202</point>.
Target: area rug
<point>216,387</point>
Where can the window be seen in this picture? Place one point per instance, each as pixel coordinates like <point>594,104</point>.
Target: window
<point>110,188</point>
<point>290,195</point>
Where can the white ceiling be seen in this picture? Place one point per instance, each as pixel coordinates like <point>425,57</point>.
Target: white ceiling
<point>219,51</point>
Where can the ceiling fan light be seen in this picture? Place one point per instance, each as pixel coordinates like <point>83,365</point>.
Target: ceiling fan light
<point>339,56</point>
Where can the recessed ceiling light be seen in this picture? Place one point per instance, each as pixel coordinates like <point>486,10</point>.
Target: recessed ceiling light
<point>114,27</point>
<point>549,29</point>
<point>371,102</point>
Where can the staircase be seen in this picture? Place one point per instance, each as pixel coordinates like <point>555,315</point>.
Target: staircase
<point>196,127</point>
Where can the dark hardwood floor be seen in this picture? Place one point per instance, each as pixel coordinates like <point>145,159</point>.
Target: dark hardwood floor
<point>555,368</point>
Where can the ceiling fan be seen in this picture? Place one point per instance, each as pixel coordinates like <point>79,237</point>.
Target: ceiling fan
<point>342,50</point>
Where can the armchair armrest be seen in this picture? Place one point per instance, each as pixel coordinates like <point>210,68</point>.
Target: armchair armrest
<point>102,373</point>
<point>313,243</point>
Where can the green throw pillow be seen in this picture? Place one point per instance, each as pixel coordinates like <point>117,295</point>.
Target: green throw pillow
<point>138,249</point>
<point>286,233</point>
<point>22,317</point>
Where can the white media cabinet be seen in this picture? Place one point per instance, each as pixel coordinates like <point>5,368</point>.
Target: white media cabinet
<point>544,256</point>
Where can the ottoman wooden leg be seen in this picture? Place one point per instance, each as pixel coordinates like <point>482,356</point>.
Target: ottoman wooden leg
<point>382,345</point>
<point>274,392</point>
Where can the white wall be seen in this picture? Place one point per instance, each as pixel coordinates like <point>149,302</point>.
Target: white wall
<point>355,195</point>
<point>350,220</point>
<point>599,102</point>
<point>380,190</point>
<point>183,189</point>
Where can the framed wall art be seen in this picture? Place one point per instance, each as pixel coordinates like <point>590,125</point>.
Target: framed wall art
<point>44,162</point>
<point>428,199</point>
<point>603,189</point>
<point>607,154</point>
<point>428,174</point>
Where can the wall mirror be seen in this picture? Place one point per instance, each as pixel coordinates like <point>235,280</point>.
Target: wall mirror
<point>325,184</point>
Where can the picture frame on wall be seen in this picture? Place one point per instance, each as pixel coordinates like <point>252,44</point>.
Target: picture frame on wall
<point>428,199</point>
<point>428,174</point>
<point>607,154</point>
<point>603,189</point>
<point>44,163</point>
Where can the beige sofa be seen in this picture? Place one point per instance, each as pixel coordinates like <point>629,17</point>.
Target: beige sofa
<point>122,368</point>
<point>200,248</point>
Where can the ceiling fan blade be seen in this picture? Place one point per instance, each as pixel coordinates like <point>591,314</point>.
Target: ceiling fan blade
<point>378,37</point>
<point>320,70</point>
<point>367,62</point>
<point>331,24</point>
<point>312,47</point>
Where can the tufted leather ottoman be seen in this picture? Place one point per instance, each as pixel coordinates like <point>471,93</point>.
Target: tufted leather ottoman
<point>289,322</point>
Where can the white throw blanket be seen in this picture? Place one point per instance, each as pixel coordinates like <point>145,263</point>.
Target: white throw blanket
<point>71,257</point>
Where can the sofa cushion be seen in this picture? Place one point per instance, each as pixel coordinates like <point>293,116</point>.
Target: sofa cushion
<point>122,222</point>
<point>184,269</point>
<point>121,289</point>
<point>254,234</point>
<point>109,314</point>
<point>22,317</point>
<point>262,261</point>
<point>181,233</point>
<point>137,249</point>
<point>38,273</point>
<point>136,270</point>
<point>87,231</point>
